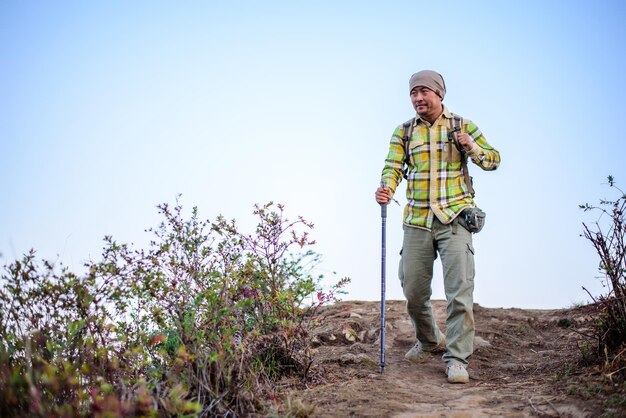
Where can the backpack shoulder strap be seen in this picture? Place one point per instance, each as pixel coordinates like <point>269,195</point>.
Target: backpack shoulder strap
<point>407,133</point>
<point>457,126</point>
<point>456,123</point>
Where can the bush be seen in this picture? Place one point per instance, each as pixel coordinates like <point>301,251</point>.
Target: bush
<point>607,235</point>
<point>204,322</point>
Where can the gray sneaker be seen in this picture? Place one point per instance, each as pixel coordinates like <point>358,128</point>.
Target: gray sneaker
<point>417,354</point>
<point>457,374</point>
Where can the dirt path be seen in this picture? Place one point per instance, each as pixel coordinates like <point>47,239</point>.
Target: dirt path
<point>526,363</point>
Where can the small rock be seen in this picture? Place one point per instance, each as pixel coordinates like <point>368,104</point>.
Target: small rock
<point>480,342</point>
<point>350,336</point>
<point>348,358</point>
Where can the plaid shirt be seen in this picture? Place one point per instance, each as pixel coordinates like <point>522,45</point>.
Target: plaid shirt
<point>436,186</point>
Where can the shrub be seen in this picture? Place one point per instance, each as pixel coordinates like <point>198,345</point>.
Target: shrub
<point>204,322</point>
<point>607,235</point>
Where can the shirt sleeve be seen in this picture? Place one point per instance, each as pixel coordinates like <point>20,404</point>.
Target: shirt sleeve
<point>394,163</point>
<point>482,154</point>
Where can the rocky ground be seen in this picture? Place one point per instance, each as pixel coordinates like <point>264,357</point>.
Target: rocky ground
<point>526,363</point>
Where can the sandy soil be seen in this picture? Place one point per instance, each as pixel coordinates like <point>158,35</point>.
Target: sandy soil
<point>526,363</point>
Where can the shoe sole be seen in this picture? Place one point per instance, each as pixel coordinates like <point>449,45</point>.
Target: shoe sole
<point>418,360</point>
<point>441,348</point>
<point>459,377</point>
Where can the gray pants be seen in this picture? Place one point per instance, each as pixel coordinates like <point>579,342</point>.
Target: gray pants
<point>453,243</point>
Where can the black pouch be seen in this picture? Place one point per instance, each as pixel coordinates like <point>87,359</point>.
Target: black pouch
<point>472,219</point>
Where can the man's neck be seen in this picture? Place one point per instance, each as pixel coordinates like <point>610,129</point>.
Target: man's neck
<point>432,119</point>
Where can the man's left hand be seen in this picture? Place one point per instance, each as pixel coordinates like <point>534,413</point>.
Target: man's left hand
<point>465,140</point>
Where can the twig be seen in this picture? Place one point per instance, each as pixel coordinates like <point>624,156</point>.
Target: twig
<point>593,337</point>
<point>590,295</point>
<point>618,355</point>
<point>553,407</point>
<point>616,371</point>
<point>530,401</point>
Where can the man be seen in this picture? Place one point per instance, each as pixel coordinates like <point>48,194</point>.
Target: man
<point>437,193</point>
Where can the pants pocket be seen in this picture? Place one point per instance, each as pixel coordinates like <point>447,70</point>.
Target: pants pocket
<point>470,261</point>
<point>401,270</point>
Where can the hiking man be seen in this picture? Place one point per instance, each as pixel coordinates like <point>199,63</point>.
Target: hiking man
<point>434,147</point>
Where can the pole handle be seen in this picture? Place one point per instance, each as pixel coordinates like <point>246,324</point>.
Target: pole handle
<point>383,206</point>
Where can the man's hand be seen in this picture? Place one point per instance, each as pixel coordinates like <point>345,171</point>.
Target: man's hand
<point>465,140</point>
<point>383,195</point>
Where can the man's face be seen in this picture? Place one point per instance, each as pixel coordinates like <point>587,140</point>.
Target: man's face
<point>427,103</point>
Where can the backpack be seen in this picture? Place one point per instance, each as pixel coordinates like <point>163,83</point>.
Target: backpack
<point>457,126</point>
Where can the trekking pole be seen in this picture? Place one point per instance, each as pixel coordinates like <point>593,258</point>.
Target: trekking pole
<point>383,215</point>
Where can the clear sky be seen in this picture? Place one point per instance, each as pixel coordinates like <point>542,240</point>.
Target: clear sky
<point>108,108</point>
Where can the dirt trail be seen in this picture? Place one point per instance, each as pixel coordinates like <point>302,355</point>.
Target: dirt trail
<point>526,363</point>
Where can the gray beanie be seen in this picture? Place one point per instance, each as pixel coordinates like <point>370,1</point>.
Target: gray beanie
<point>430,79</point>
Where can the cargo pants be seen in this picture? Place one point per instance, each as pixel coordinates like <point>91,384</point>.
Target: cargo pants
<point>453,243</point>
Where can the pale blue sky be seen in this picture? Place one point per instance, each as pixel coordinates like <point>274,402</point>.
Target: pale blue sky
<point>108,108</point>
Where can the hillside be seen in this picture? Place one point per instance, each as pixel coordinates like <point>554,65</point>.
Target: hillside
<point>526,363</point>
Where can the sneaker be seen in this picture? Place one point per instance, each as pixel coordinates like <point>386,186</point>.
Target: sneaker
<point>417,354</point>
<point>457,374</point>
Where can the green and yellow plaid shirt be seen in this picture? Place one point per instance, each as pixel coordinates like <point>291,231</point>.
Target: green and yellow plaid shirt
<point>435,182</point>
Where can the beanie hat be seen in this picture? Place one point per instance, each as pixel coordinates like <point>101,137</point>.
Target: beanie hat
<point>430,79</point>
